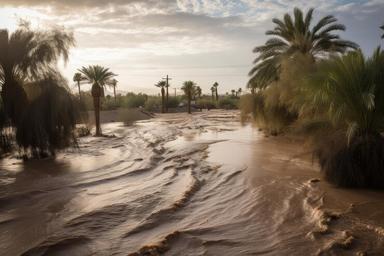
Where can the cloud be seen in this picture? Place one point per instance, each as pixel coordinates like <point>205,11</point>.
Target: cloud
<point>132,34</point>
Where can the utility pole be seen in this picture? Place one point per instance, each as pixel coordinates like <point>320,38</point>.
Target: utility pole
<point>166,86</point>
<point>175,91</point>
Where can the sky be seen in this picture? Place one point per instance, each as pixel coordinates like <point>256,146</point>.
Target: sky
<point>201,40</point>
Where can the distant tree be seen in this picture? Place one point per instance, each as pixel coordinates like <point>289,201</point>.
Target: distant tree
<point>98,76</point>
<point>162,85</point>
<point>213,90</point>
<point>215,85</point>
<point>239,92</point>
<point>78,78</point>
<point>233,92</point>
<point>189,89</point>
<point>198,91</point>
<point>113,83</point>
<point>167,96</point>
<point>382,27</point>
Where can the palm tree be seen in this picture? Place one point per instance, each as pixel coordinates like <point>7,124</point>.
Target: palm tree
<point>98,76</point>
<point>113,84</point>
<point>77,77</point>
<point>233,92</point>
<point>382,36</point>
<point>239,91</point>
<point>198,91</point>
<point>28,62</point>
<point>294,35</point>
<point>30,56</point>
<point>167,96</point>
<point>162,85</point>
<point>349,90</point>
<point>215,85</point>
<point>213,89</point>
<point>189,90</point>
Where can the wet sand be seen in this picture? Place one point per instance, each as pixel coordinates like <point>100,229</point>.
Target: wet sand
<point>184,185</point>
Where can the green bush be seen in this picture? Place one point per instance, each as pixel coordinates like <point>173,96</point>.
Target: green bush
<point>228,103</point>
<point>132,100</point>
<point>173,102</point>
<point>153,104</point>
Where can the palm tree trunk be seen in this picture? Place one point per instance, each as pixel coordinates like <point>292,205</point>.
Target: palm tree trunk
<point>96,105</point>
<point>213,97</point>
<point>166,104</point>
<point>78,85</point>
<point>114,92</point>
<point>189,103</point>
<point>162,100</point>
<point>217,95</point>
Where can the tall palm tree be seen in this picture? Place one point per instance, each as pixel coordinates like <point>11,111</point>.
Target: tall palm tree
<point>294,35</point>
<point>215,85</point>
<point>162,85</point>
<point>189,89</point>
<point>77,77</point>
<point>198,91</point>
<point>213,89</point>
<point>239,91</point>
<point>113,84</point>
<point>98,76</point>
<point>349,89</point>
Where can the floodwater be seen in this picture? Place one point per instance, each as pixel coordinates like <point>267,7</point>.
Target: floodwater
<point>183,185</point>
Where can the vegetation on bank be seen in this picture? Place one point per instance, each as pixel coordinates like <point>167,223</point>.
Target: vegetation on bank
<point>308,80</point>
<point>37,112</point>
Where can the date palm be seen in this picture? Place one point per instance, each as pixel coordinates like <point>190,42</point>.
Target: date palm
<point>98,76</point>
<point>28,59</point>
<point>27,56</point>
<point>215,85</point>
<point>113,84</point>
<point>239,91</point>
<point>77,77</point>
<point>162,85</point>
<point>189,90</point>
<point>296,35</point>
<point>198,91</point>
<point>213,89</point>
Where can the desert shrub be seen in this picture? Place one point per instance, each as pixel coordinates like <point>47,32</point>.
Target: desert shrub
<point>205,103</point>
<point>228,103</point>
<point>358,164</point>
<point>132,100</point>
<point>272,118</point>
<point>349,91</point>
<point>173,102</point>
<point>49,121</point>
<point>109,103</point>
<point>153,104</point>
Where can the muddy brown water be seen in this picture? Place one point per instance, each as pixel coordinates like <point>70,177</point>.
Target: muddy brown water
<point>183,185</point>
